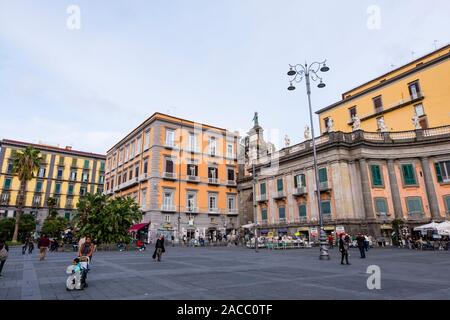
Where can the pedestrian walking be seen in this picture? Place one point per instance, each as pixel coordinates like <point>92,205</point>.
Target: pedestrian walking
<point>43,244</point>
<point>25,245</point>
<point>360,243</point>
<point>366,243</point>
<point>4,250</point>
<point>159,248</point>
<point>344,244</point>
<point>30,246</point>
<point>330,241</point>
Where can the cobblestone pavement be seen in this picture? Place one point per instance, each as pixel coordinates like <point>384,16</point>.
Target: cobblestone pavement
<point>231,273</point>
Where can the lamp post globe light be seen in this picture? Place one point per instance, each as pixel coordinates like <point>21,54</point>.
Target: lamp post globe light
<point>311,72</point>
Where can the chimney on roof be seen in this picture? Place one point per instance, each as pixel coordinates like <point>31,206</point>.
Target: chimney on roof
<point>68,147</point>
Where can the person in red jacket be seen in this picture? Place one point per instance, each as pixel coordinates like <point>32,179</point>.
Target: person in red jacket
<point>43,244</point>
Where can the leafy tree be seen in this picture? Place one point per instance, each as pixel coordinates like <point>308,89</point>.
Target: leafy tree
<point>54,226</point>
<point>25,163</point>
<point>51,204</point>
<point>7,228</point>
<point>396,224</point>
<point>26,227</point>
<point>106,219</point>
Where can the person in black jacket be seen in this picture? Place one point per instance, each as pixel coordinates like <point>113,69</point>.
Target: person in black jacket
<point>159,248</point>
<point>360,242</point>
<point>344,244</point>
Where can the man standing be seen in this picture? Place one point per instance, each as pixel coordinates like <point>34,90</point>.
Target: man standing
<point>344,244</point>
<point>360,242</point>
<point>43,244</point>
<point>159,248</point>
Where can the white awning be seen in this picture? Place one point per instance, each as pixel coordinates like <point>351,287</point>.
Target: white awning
<point>444,228</point>
<point>429,226</point>
<point>248,226</point>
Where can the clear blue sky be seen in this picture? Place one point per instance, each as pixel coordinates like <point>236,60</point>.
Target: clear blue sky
<point>210,61</point>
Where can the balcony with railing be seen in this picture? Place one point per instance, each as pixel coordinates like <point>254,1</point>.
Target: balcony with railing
<point>168,208</point>
<point>279,195</point>
<point>231,183</point>
<point>191,210</point>
<point>261,198</point>
<point>169,176</point>
<point>193,179</point>
<point>299,191</point>
<point>323,186</point>
<point>213,181</point>
<point>143,177</point>
<point>232,212</point>
<point>130,183</point>
<point>214,211</point>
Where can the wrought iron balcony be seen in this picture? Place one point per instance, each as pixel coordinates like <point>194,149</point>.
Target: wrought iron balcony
<point>168,208</point>
<point>214,181</point>
<point>261,198</point>
<point>194,179</point>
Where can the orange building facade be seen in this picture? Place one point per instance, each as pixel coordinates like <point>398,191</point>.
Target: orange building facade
<point>181,173</point>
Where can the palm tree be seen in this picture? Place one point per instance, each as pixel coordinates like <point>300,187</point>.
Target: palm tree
<point>25,163</point>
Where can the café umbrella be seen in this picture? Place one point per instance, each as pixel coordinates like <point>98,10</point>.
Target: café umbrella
<point>429,226</point>
<point>444,228</point>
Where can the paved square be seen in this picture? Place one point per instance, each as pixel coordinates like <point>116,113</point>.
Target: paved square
<point>231,273</point>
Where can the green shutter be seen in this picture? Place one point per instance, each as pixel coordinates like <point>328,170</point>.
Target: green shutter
<point>303,179</point>
<point>38,186</point>
<point>323,175</point>
<point>263,188</point>
<point>438,172</point>
<point>70,188</point>
<point>282,212</point>
<point>376,175</point>
<point>264,214</point>
<point>326,207</point>
<point>447,203</point>
<point>67,215</point>
<point>415,205</point>
<point>86,164</point>
<point>7,184</point>
<point>280,184</point>
<point>302,210</point>
<point>408,174</point>
<point>295,181</point>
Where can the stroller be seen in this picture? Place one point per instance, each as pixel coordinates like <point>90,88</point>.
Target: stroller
<point>77,274</point>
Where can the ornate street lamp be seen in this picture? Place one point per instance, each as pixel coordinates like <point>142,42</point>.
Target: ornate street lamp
<point>297,73</point>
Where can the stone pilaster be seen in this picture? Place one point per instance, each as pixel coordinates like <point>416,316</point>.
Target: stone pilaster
<point>395,191</point>
<point>429,186</point>
<point>365,186</point>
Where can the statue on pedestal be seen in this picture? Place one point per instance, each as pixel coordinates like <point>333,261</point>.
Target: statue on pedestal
<point>307,133</point>
<point>416,123</point>
<point>287,141</point>
<point>382,125</point>
<point>356,123</point>
<point>330,124</point>
<point>256,120</point>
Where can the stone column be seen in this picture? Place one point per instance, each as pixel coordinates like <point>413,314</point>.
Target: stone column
<point>395,192</point>
<point>367,195</point>
<point>429,185</point>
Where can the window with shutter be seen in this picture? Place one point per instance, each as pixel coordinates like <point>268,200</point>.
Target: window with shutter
<point>381,205</point>
<point>438,172</point>
<point>326,207</point>
<point>264,214</point>
<point>414,205</point>
<point>262,187</point>
<point>377,180</point>
<point>280,185</point>
<point>323,175</point>
<point>302,210</point>
<point>282,213</point>
<point>409,178</point>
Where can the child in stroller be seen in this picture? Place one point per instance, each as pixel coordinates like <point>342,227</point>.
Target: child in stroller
<point>77,274</point>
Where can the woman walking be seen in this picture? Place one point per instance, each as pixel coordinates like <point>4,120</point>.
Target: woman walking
<point>344,244</point>
<point>159,248</point>
<point>3,254</point>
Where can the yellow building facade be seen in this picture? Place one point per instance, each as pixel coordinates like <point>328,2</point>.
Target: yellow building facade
<point>65,174</point>
<point>414,96</point>
<point>182,174</point>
